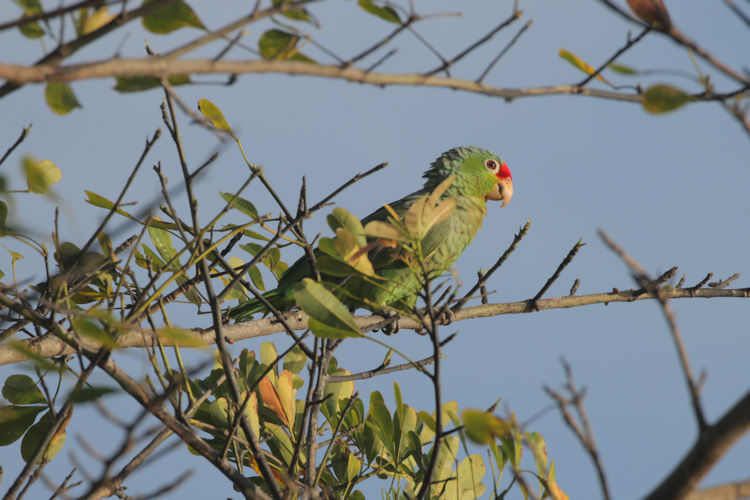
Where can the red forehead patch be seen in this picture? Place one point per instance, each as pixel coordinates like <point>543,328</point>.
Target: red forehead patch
<point>504,172</point>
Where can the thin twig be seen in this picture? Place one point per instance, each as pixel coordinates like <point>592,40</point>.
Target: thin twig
<point>381,370</point>
<point>500,261</point>
<point>486,38</point>
<point>645,281</point>
<point>567,260</point>
<point>630,43</point>
<point>583,432</point>
<point>738,12</point>
<point>24,133</point>
<point>504,51</point>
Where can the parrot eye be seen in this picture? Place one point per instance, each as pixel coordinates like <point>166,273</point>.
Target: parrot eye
<point>492,165</point>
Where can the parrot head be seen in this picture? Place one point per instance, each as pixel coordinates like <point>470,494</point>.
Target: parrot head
<point>479,173</point>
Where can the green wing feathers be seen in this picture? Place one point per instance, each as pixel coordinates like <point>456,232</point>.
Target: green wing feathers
<point>479,175</point>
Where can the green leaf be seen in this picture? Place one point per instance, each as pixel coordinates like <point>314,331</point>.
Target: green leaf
<point>279,45</point>
<point>21,390</point>
<point>329,318</point>
<point>3,215</point>
<point>298,14</point>
<point>663,98</point>
<point>279,442</point>
<point>241,204</point>
<point>31,29</point>
<point>163,244</point>
<point>213,114</point>
<point>86,394</point>
<point>172,17</point>
<point>14,420</point>
<point>295,360</point>
<point>384,12</point>
<point>622,69</point>
<point>140,83</point>
<point>428,420</point>
<point>379,420</point>
<point>581,64</point>
<point>60,98</point>
<point>40,174</point>
<point>29,6</point>
<point>513,447</point>
<point>100,201</point>
<point>34,436</point>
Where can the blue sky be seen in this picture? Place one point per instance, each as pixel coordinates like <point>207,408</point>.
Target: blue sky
<point>671,189</point>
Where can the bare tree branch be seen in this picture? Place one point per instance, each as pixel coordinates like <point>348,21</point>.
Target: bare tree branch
<point>164,67</point>
<point>48,345</point>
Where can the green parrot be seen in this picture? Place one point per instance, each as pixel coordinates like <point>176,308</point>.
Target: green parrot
<point>476,175</point>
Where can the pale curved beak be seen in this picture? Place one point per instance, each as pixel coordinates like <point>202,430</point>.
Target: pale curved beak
<point>503,190</point>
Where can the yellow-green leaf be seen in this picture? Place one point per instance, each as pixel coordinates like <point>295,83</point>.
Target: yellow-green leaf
<point>176,336</point>
<point>482,427</point>
<point>353,254</point>
<point>241,204</point>
<point>329,318</point>
<point>581,64</point>
<point>163,244</point>
<point>622,69</point>
<point>31,29</point>
<point>251,410</point>
<point>384,230</point>
<point>663,98</point>
<point>100,201</point>
<point>539,450</point>
<point>36,434</point>
<point>340,217</point>
<point>93,331</point>
<point>213,114</point>
<point>174,16</point>
<point>40,174</point>
<point>96,20</point>
<point>238,291</point>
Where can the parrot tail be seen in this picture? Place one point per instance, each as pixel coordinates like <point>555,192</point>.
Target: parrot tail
<point>245,310</point>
